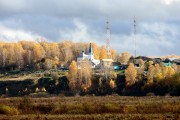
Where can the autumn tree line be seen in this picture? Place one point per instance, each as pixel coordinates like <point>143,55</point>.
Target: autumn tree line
<point>45,55</point>
<point>152,79</point>
<point>148,79</point>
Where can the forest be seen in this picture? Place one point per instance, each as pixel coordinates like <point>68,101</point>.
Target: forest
<point>35,68</point>
<point>44,55</point>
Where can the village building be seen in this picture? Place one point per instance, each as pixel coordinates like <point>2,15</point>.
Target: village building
<point>106,63</point>
<point>89,56</point>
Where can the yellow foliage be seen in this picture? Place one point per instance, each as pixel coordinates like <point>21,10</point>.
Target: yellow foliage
<point>113,75</point>
<point>124,57</point>
<point>149,63</point>
<point>159,76</point>
<point>164,71</point>
<point>113,53</point>
<point>149,82</point>
<point>112,84</point>
<point>140,62</point>
<point>32,54</point>
<point>85,73</point>
<point>95,50</point>
<point>170,71</point>
<point>103,53</point>
<point>38,52</point>
<point>131,74</point>
<point>37,90</point>
<point>43,89</point>
<point>150,74</point>
<point>72,75</point>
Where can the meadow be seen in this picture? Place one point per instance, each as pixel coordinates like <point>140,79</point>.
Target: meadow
<point>90,108</point>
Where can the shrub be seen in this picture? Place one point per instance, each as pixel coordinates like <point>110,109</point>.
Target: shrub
<point>150,94</point>
<point>44,81</point>
<point>7,110</point>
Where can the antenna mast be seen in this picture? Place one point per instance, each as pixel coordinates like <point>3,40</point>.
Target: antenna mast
<point>108,39</point>
<point>134,36</point>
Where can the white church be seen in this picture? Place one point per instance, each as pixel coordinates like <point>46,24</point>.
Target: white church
<point>89,56</point>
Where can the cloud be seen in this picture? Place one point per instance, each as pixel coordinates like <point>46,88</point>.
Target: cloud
<point>13,35</point>
<point>81,33</point>
<point>169,2</point>
<point>152,38</point>
<point>93,9</point>
<point>158,23</point>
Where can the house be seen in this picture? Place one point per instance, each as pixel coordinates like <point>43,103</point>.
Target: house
<point>123,67</point>
<point>167,62</point>
<point>89,56</point>
<point>106,63</point>
<point>116,65</point>
<point>176,61</point>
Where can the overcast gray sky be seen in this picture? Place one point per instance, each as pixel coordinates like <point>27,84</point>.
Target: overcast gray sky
<point>158,23</point>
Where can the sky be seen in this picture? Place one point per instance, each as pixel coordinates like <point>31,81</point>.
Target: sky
<point>157,23</point>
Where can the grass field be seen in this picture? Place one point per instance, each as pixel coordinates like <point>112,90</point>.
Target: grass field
<point>91,107</point>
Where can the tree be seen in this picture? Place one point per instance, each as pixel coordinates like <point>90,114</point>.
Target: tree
<point>66,53</point>
<point>174,66</point>
<point>170,72</point>
<point>28,57</point>
<point>141,62</point>
<point>48,64</point>
<point>164,70</point>
<point>72,76</point>
<point>85,74</point>
<point>46,48</point>
<point>103,53</point>
<point>38,52</point>
<point>140,72</point>
<point>3,57</point>
<point>112,84</point>
<point>95,50</point>
<point>54,50</point>
<point>19,55</point>
<point>131,74</point>
<point>148,64</point>
<point>114,54</point>
<point>159,76</point>
<point>158,72</point>
<point>124,57</point>
<point>150,74</point>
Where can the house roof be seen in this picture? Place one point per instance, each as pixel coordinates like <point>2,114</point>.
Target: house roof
<point>176,61</point>
<point>144,58</point>
<point>107,60</point>
<point>116,63</point>
<point>168,64</point>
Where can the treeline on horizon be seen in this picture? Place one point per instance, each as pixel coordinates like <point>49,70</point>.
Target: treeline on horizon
<point>50,84</point>
<point>45,55</point>
<point>150,78</point>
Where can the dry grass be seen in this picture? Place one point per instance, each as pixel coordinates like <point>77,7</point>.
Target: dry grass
<point>90,107</point>
<point>94,117</point>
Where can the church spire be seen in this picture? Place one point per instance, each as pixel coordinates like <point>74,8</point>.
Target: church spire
<point>90,49</point>
<point>90,53</point>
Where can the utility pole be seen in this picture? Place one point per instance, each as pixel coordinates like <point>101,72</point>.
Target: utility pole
<point>108,50</point>
<point>134,36</point>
